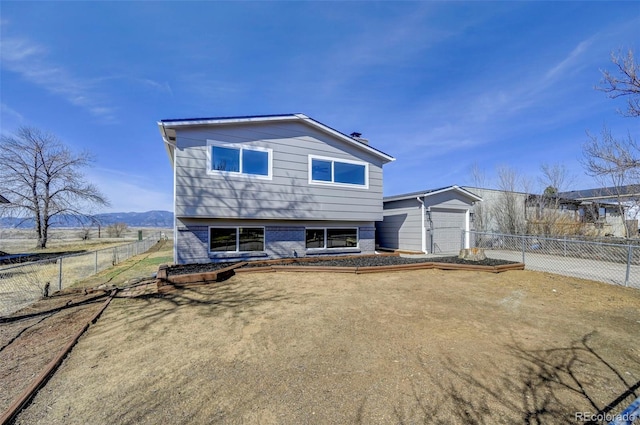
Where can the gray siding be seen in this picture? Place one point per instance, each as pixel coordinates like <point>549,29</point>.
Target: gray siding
<point>289,195</point>
<point>282,239</point>
<point>449,199</point>
<point>401,227</point>
<point>490,207</point>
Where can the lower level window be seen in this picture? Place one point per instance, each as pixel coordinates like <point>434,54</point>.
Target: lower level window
<point>327,238</point>
<point>236,239</point>
<point>342,238</point>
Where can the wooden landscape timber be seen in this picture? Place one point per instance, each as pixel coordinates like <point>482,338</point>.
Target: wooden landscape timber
<point>49,370</point>
<point>270,266</point>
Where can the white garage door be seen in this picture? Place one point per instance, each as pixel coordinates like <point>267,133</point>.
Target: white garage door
<point>447,229</point>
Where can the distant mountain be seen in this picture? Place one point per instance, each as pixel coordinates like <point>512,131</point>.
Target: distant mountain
<point>135,219</point>
<point>162,219</point>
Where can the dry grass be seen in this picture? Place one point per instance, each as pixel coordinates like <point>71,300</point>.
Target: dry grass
<point>20,241</point>
<point>24,283</point>
<point>139,267</point>
<point>410,347</point>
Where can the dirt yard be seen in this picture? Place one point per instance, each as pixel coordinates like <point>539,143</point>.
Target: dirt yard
<point>409,347</point>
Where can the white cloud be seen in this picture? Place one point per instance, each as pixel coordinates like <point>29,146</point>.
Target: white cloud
<point>570,62</point>
<point>155,85</point>
<point>30,61</point>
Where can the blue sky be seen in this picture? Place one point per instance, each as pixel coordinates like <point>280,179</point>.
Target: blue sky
<point>440,86</point>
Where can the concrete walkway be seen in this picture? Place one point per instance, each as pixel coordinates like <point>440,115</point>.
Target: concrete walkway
<point>601,271</point>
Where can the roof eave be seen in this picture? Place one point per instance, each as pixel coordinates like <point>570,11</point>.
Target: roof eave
<point>168,144</point>
<point>423,194</point>
<point>270,118</point>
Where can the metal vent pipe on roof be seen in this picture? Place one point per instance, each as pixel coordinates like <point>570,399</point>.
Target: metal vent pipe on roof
<point>357,135</point>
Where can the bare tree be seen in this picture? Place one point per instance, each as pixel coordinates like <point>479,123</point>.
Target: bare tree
<point>85,233</point>
<point>481,212</point>
<point>615,163</point>
<point>116,230</point>
<point>555,177</point>
<point>509,208</point>
<point>625,82</point>
<point>43,179</point>
<point>549,217</point>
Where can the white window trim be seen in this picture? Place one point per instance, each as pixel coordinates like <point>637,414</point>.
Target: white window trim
<point>326,240</point>
<point>241,148</point>
<point>237,250</point>
<point>331,183</point>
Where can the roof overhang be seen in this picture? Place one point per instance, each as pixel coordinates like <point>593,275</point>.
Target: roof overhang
<point>425,194</point>
<point>168,130</point>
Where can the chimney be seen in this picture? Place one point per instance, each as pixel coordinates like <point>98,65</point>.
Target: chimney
<point>355,135</point>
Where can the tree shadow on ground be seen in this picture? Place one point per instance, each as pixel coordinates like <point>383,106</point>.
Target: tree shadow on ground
<point>48,312</point>
<point>209,299</point>
<point>550,386</point>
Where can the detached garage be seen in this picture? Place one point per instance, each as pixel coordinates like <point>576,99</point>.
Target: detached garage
<point>428,221</point>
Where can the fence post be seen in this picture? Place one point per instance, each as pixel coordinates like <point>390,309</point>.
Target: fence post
<point>96,264</point>
<point>629,257</point>
<point>565,246</point>
<point>60,274</point>
<point>522,236</point>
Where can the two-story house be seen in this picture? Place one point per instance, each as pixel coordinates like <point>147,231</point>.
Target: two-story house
<point>271,186</point>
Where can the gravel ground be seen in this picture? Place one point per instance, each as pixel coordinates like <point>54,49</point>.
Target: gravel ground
<point>352,261</point>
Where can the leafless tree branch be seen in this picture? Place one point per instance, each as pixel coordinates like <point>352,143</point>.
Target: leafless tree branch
<point>624,82</point>
<point>43,179</point>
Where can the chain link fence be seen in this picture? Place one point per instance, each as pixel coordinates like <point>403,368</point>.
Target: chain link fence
<point>614,263</point>
<point>23,284</point>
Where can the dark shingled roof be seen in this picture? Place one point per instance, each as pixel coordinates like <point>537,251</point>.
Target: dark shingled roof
<point>602,193</point>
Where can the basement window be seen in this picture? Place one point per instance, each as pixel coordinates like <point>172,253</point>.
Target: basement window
<point>236,239</point>
<point>331,238</point>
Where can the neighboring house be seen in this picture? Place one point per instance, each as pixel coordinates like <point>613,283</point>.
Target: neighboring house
<point>589,212</point>
<point>604,194</point>
<point>610,209</point>
<point>271,186</point>
<point>428,221</point>
<point>566,216</point>
<point>500,211</point>
<point>3,200</point>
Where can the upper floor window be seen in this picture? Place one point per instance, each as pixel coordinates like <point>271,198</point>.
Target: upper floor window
<point>239,159</point>
<point>323,170</point>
